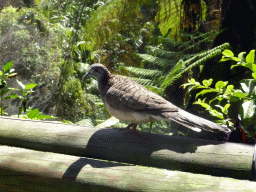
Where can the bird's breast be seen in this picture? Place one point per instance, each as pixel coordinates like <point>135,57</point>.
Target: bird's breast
<point>130,116</point>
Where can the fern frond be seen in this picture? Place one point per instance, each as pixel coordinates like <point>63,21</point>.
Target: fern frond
<point>209,52</point>
<point>155,89</point>
<point>157,52</point>
<point>171,76</point>
<point>206,38</point>
<point>154,61</point>
<point>145,82</point>
<point>199,62</point>
<point>143,72</point>
<point>169,43</point>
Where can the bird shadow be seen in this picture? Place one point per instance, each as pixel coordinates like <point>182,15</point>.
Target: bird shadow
<point>74,169</point>
<point>134,147</point>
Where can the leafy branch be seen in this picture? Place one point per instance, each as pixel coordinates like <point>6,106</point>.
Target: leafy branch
<point>225,94</point>
<point>4,89</point>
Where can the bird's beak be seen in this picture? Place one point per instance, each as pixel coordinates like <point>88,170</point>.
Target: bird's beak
<point>86,75</point>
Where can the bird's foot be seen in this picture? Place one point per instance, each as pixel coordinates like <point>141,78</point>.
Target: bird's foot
<point>132,125</point>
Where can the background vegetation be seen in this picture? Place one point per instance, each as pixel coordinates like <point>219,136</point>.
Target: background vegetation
<point>161,44</point>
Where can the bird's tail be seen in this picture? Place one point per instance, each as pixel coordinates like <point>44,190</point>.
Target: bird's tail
<point>194,122</point>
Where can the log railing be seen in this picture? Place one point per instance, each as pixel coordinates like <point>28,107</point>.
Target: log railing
<point>59,156</point>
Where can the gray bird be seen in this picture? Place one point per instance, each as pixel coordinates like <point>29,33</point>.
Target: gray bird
<point>131,102</point>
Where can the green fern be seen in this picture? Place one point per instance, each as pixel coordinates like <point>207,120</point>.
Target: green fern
<point>171,77</point>
<point>145,82</point>
<point>154,61</point>
<point>163,60</point>
<point>157,52</point>
<point>146,73</point>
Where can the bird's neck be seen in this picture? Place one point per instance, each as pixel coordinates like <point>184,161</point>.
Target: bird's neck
<point>103,85</point>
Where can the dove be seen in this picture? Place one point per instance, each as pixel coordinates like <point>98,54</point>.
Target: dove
<point>131,102</point>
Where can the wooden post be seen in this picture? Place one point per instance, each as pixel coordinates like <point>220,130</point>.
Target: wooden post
<point>163,151</point>
<point>29,170</point>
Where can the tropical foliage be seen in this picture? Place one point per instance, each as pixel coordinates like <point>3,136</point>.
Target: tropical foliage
<point>226,94</point>
<point>52,44</point>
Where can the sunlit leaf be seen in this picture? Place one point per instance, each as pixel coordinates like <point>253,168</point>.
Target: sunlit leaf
<point>228,53</point>
<point>33,114</point>
<point>241,55</point>
<point>254,75</point>
<point>30,86</point>
<point>206,91</point>
<point>248,109</point>
<point>207,83</point>
<point>240,94</point>
<point>216,113</point>
<point>248,86</point>
<point>20,84</point>
<point>225,108</point>
<point>8,66</point>
<point>220,84</point>
<point>250,57</point>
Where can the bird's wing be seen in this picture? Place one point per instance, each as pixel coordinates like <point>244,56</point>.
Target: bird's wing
<point>127,95</point>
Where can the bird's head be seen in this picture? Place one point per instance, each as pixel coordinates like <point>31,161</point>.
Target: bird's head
<point>98,71</point>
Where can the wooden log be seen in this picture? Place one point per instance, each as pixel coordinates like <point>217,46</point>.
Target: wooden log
<point>30,170</point>
<point>163,151</point>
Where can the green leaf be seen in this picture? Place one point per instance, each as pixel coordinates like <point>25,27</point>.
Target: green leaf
<point>30,86</point>
<point>240,94</point>
<point>225,59</point>
<point>206,91</point>
<point>228,53</point>
<point>248,109</point>
<point>248,65</point>
<point>250,57</point>
<point>248,86</point>
<point>20,84</point>
<point>207,83</point>
<point>202,103</point>
<point>220,84</point>
<point>229,89</point>
<point>254,75</point>
<point>233,99</point>
<point>33,114</point>
<point>235,59</point>
<point>225,109</point>
<point>8,66</point>
<point>193,81</point>
<point>4,91</point>
<point>241,55</point>
<point>1,73</point>
<point>216,113</point>
<point>13,95</point>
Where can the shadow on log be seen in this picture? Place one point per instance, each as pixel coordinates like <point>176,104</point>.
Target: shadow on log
<point>29,170</point>
<point>170,152</point>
